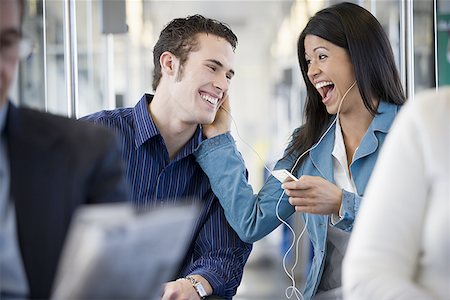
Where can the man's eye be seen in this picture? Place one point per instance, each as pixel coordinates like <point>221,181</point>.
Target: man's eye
<point>8,42</point>
<point>212,68</point>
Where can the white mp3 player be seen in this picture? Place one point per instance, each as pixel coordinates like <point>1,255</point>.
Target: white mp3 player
<point>283,175</point>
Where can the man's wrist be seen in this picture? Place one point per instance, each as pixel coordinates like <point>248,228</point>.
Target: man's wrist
<point>201,286</point>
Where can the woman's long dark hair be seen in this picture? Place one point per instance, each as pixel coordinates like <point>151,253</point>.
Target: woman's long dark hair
<point>355,29</point>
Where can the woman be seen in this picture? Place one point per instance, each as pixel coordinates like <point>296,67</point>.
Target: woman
<point>407,254</point>
<point>343,53</point>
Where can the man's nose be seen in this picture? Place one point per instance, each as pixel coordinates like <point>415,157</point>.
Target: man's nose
<point>221,82</point>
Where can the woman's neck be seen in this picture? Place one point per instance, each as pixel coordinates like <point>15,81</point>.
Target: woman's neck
<point>354,125</point>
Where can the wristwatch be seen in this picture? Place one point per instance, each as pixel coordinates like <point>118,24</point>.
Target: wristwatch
<point>198,286</point>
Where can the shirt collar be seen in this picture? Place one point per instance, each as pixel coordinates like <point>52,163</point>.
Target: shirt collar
<point>339,147</point>
<point>192,144</point>
<point>144,126</point>
<point>3,113</point>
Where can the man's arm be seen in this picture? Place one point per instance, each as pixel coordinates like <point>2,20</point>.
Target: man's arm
<point>219,254</point>
<point>218,258</point>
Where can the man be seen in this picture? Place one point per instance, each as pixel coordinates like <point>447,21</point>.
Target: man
<point>193,62</point>
<point>48,166</point>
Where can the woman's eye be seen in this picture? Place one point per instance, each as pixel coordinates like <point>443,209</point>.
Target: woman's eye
<point>322,56</point>
<point>308,61</point>
<point>212,68</point>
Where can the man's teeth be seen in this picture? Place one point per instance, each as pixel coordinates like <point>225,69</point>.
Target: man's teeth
<point>322,84</point>
<point>210,99</point>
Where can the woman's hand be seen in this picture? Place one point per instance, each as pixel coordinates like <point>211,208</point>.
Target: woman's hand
<point>315,195</point>
<point>222,122</point>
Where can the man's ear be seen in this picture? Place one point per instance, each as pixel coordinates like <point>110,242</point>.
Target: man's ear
<point>168,63</point>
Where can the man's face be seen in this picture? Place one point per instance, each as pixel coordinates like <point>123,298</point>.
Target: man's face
<point>197,90</point>
<point>9,44</point>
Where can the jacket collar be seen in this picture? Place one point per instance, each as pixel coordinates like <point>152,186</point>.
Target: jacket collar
<point>26,127</point>
<point>321,155</point>
<point>381,123</point>
<point>3,115</point>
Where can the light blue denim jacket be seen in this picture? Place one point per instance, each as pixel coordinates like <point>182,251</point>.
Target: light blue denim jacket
<point>253,216</point>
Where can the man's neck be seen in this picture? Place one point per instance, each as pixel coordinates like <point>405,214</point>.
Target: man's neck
<point>174,132</point>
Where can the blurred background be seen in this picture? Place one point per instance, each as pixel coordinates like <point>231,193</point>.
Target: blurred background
<point>91,55</point>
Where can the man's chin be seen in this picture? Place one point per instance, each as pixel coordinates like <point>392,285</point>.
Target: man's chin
<point>207,121</point>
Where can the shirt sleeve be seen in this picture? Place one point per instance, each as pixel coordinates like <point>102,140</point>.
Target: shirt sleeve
<point>348,211</point>
<point>219,255</point>
<point>252,216</point>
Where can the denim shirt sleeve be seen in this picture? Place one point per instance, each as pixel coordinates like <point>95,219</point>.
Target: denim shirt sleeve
<point>252,216</point>
<point>350,207</point>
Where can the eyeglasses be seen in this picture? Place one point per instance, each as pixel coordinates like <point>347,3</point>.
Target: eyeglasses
<point>14,47</point>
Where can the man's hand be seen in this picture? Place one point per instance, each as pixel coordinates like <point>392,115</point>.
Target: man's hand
<point>222,122</point>
<point>182,289</point>
<point>313,194</point>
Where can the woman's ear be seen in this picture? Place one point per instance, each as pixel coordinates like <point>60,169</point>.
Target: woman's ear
<point>168,63</point>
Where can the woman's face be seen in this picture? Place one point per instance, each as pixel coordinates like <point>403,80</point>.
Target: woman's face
<point>330,71</point>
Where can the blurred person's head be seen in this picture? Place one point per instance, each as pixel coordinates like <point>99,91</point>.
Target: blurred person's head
<point>11,12</point>
<point>194,64</point>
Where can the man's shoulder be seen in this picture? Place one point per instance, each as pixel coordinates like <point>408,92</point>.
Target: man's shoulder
<point>111,118</point>
<point>45,126</point>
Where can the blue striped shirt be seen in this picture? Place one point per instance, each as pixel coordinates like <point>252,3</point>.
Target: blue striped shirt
<point>217,253</point>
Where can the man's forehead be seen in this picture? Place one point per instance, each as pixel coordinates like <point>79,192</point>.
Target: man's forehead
<point>214,47</point>
<point>9,15</point>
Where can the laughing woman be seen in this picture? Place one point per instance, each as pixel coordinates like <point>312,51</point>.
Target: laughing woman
<point>353,95</point>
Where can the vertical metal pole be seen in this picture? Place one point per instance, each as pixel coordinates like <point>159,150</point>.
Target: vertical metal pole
<point>436,60</point>
<point>71,57</point>
<point>410,48</point>
<point>90,45</point>
<point>110,92</point>
<point>402,37</point>
<point>44,37</point>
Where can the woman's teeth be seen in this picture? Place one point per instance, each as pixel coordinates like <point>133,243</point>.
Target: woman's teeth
<point>322,84</point>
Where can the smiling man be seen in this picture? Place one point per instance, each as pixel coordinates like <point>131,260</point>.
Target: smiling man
<point>193,67</point>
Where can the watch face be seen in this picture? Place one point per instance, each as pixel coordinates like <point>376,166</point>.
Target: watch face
<point>200,290</point>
